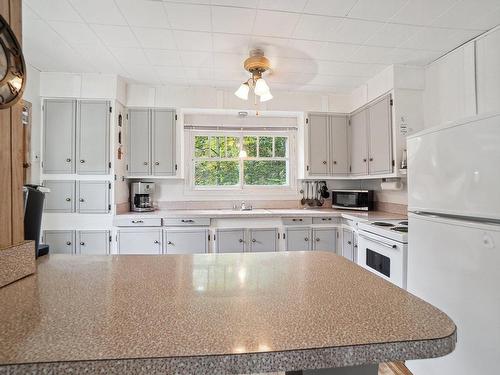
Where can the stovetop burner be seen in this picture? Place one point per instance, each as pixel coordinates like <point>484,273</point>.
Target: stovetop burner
<point>403,222</point>
<point>382,224</point>
<point>400,229</point>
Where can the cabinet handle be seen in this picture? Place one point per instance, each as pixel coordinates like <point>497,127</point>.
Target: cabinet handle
<point>82,243</point>
<point>326,219</point>
<point>82,161</point>
<point>187,221</point>
<point>349,242</point>
<point>68,160</point>
<point>145,163</point>
<point>170,243</point>
<point>306,239</point>
<point>68,199</point>
<point>157,242</point>
<point>240,240</point>
<point>82,200</point>
<point>317,239</point>
<point>371,159</point>
<point>334,162</point>
<point>254,240</point>
<point>324,161</point>
<point>296,219</point>
<point>157,163</point>
<point>68,243</point>
<point>364,160</point>
<point>137,221</point>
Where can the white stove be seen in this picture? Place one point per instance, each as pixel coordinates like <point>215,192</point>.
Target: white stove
<point>383,249</point>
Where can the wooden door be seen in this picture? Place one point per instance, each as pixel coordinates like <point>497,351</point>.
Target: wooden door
<point>325,239</point>
<point>27,123</point>
<point>139,241</point>
<point>263,240</point>
<point>380,125</point>
<point>60,241</point>
<point>186,241</point>
<point>298,239</point>
<point>139,156</point>
<point>339,145</point>
<point>93,197</point>
<point>230,240</point>
<point>163,142</point>
<point>93,242</point>
<point>318,145</point>
<point>347,244</point>
<point>359,143</point>
<point>61,197</point>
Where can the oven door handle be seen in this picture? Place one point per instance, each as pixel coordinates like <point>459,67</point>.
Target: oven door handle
<point>379,242</point>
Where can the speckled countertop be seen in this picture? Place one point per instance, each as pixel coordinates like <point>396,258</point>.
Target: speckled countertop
<point>211,313</point>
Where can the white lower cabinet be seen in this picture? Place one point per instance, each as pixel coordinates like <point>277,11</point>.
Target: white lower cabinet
<point>297,239</point>
<point>186,241</point>
<point>93,242</point>
<point>347,244</point>
<point>263,240</point>
<point>60,241</point>
<point>230,240</point>
<point>325,239</point>
<point>139,241</point>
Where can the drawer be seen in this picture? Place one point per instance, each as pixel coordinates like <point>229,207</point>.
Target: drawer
<point>137,221</point>
<point>187,222</point>
<point>297,221</point>
<point>325,220</point>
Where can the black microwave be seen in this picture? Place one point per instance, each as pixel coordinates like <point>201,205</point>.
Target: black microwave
<point>353,199</point>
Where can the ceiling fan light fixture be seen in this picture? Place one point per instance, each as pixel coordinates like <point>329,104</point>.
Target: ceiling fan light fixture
<point>261,87</point>
<point>242,91</point>
<point>265,97</point>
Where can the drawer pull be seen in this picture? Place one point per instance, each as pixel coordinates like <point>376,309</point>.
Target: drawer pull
<point>324,162</point>
<point>156,242</point>
<point>187,221</point>
<point>296,219</point>
<point>68,243</point>
<point>68,199</point>
<point>145,163</point>
<point>349,242</point>
<point>157,163</point>
<point>82,200</point>
<point>170,243</point>
<point>327,219</point>
<point>240,240</point>
<point>254,240</point>
<point>82,243</point>
<point>317,239</point>
<point>306,239</point>
<point>68,160</point>
<point>82,161</point>
<point>137,221</point>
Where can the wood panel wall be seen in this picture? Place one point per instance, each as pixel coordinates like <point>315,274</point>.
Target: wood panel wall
<point>11,151</point>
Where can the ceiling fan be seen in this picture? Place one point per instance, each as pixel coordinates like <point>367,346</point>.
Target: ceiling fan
<point>256,65</point>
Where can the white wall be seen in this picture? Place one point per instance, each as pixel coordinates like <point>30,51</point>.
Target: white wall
<point>32,95</point>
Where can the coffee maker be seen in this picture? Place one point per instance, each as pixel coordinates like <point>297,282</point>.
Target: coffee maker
<point>141,196</point>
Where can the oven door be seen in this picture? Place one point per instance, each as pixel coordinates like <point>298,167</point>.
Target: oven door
<point>382,256</point>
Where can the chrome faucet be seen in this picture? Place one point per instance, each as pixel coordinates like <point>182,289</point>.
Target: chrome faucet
<point>243,206</point>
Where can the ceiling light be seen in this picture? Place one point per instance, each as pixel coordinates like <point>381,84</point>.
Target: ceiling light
<point>265,97</point>
<point>256,64</point>
<point>242,91</point>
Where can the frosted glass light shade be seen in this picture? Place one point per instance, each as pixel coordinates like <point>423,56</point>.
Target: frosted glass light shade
<point>261,87</point>
<point>265,97</point>
<point>242,91</point>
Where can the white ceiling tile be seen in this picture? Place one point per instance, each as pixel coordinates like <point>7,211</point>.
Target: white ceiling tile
<point>171,74</point>
<point>288,65</point>
<point>143,13</point>
<point>338,51</point>
<point>369,54</point>
<point>231,43</point>
<point>379,10</point>
<point>355,31</point>
<point>196,59</point>
<point>392,35</point>
<point>305,49</point>
<point>236,3</point>
<point>238,75</point>
<point>54,10</point>
<point>143,74</point>
<point>487,21</point>
<point>129,56</point>
<point>229,61</point>
<point>193,41</point>
<point>104,12</point>
<point>162,57</point>
<point>74,32</point>
<point>155,37</point>
<point>330,7</point>
<point>28,13</point>
<point>116,36</point>
<point>422,12</point>
<point>101,57</point>
<point>232,20</point>
<point>435,39</point>
<point>188,16</point>
<point>285,5</point>
<point>466,13</point>
<point>349,69</point>
<point>198,74</point>
<point>316,27</point>
<point>413,57</point>
<point>271,46</point>
<point>273,23</point>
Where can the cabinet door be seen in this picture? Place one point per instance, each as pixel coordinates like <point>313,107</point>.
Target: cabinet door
<point>60,241</point>
<point>139,241</point>
<point>230,240</point>
<point>318,145</point>
<point>61,197</point>
<point>139,158</point>
<point>262,240</point>
<point>93,197</point>
<point>359,143</point>
<point>93,137</point>
<point>347,244</point>
<point>488,79</point>
<point>380,159</point>
<point>59,136</point>
<point>93,242</point>
<point>325,239</point>
<point>186,241</point>
<point>339,150</point>
<point>298,239</point>
<point>163,142</point>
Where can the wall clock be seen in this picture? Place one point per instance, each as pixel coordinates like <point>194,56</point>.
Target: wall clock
<point>12,67</point>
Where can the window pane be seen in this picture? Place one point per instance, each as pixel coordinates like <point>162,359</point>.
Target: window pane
<point>201,149</point>
<point>266,147</point>
<point>250,146</point>
<point>216,173</point>
<point>265,172</point>
<point>217,147</point>
<point>280,147</point>
<point>233,148</point>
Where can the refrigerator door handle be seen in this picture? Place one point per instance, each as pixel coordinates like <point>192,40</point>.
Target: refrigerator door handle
<point>456,217</point>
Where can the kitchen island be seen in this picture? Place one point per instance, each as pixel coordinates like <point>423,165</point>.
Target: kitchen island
<point>212,314</point>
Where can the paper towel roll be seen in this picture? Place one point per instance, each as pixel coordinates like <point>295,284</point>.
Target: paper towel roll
<point>391,185</point>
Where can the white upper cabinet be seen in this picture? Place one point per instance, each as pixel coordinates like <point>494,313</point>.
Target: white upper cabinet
<point>488,72</point>
<point>359,143</point>
<point>152,142</point>
<point>339,150</point>
<point>76,143</point>
<point>380,128</point>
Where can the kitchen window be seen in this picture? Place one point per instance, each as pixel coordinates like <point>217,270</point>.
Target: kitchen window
<point>241,160</point>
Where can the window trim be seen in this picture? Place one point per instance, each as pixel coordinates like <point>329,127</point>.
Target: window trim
<point>241,187</point>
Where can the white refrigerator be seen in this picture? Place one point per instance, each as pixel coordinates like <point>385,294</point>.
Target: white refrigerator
<point>454,238</point>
